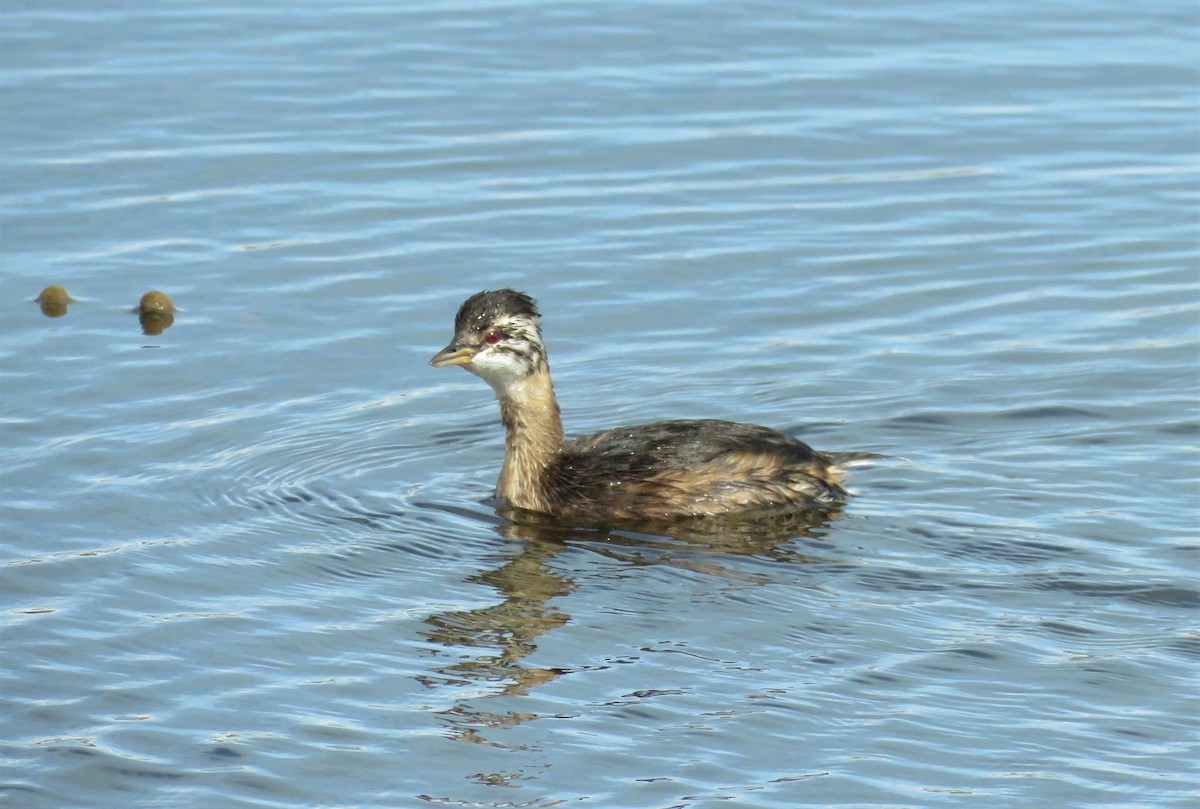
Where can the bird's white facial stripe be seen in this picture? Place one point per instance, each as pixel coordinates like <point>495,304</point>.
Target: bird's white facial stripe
<point>517,328</point>
<point>514,357</point>
<point>500,368</point>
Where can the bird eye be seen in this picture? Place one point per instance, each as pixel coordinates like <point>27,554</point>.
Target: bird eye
<point>492,337</point>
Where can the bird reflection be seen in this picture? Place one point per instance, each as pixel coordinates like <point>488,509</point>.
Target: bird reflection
<point>528,583</point>
<point>510,627</point>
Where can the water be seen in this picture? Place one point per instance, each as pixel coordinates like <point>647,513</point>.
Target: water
<point>250,561</point>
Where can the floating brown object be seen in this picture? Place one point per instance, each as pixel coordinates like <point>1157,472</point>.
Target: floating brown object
<point>156,313</point>
<point>53,300</point>
<point>155,303</point>
<point>54,294</point>
<point>154,323</point>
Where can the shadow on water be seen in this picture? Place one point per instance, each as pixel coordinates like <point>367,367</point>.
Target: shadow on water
<point>528,582</point>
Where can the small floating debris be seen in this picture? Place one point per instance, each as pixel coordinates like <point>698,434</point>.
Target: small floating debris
<point>54,294</point>
<point>155,312</point>
<point>53,300</point>
<point>155,302</point>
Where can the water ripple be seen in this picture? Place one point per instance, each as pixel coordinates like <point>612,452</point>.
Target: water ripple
<point>253,559</point>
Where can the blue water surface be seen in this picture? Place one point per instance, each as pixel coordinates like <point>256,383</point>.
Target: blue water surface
<point>250,560</point>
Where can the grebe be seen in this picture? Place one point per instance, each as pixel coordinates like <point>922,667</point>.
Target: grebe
<point>667,470</point>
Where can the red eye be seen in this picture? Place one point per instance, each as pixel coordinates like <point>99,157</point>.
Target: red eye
<point>493,337</point>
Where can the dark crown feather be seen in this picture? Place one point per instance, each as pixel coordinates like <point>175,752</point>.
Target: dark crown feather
<point>484,308</point>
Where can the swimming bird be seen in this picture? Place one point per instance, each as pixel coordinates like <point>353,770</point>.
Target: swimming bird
<point>663,471</point>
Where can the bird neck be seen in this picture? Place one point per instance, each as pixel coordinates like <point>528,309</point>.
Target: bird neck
<point>533,438</point>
